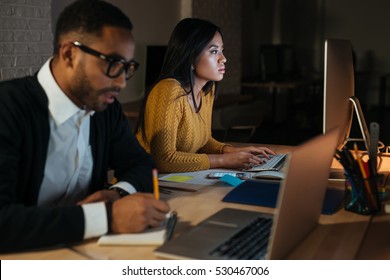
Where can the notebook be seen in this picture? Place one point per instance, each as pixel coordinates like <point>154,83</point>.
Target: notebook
<point>151,236</point>
<point>298,208</point>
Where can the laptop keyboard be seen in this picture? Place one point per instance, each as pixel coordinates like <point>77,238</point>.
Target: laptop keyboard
<point>273,163</point>
<point>248,244</point>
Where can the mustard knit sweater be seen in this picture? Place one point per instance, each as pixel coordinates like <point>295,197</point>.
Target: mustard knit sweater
<point>178,138</point>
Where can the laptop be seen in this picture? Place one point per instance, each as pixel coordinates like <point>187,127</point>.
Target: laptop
<point>298,209</point>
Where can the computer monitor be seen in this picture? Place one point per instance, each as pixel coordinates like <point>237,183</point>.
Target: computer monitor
<point>339,92</point>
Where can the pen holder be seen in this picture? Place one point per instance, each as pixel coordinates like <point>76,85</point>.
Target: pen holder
<point>361,195</point>
<point>382,192</point>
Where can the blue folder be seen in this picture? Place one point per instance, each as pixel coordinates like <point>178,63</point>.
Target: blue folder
<point>265,193</point>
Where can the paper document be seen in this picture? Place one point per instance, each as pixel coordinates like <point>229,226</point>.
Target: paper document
<point>197,177</point>
<point>148,237</point>
<point>153,236</point>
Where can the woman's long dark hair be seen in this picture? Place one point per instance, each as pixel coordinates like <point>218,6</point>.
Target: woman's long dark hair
<point>188,40</point>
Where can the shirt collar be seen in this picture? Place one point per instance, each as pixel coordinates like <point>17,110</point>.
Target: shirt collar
<point>60,106</point>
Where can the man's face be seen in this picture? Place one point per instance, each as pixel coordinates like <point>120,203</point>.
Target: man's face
<point>90,86</point>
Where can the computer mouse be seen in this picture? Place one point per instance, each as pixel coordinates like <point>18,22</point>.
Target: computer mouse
<point>269,174</point>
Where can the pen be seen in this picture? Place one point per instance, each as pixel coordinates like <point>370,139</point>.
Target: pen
<point>171,223</point>
<point>156,190</point>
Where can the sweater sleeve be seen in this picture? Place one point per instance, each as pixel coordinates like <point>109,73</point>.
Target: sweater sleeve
<point>213,147</point>
<point>163,116</point>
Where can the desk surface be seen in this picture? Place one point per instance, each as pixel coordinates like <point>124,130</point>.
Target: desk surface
<point>344,235</point>
<point>337,237</point>
<point>376,244</point>
<point>51,254</point>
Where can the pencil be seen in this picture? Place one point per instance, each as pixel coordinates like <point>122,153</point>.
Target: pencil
<point>365,178</point>
<point>156,190</point>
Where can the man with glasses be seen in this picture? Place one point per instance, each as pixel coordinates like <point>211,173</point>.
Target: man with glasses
<point>63,128</point>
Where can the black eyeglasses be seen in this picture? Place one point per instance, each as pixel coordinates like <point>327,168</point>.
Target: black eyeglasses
<point>116,65</point>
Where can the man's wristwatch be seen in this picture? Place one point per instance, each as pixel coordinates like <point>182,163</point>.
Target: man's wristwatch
<point>120,191</point>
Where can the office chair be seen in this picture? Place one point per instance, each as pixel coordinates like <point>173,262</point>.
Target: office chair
<point>242,117</point>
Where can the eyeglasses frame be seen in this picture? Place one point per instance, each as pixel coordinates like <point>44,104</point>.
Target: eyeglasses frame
<point>127,65</point>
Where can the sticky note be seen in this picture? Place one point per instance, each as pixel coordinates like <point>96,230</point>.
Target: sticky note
<point>231,180</point>
<point>178,178</point>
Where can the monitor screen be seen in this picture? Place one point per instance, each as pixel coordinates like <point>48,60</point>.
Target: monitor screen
<point>339,92</point>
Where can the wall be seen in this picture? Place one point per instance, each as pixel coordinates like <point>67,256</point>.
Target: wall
<point>257,28</point>
<point>307,23</point>
<point>152,26</point>
<point>366,24</point>
<point>27,27</point>
<point>227,15</point>
<point>25,36</point>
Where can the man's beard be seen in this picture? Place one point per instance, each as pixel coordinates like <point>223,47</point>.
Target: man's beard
<point>83,91</point>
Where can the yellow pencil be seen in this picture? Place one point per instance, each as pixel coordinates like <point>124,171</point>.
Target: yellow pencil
<point>365,177</point>
<point>155,184</point>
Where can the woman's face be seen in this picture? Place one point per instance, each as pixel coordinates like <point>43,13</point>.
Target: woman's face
<point>211,62</point>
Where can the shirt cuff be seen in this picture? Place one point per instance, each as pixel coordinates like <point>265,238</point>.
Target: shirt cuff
<point>95,217</point>
<point>125,186</point>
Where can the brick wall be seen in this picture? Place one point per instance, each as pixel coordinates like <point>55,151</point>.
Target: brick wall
<point>227,15</point>
<point>25,36</point>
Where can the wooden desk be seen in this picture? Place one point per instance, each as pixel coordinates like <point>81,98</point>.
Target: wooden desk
<point>192,208</point>
<point>344,235</point>
<point>132,109</point>
<point>376,244</point>
<point>53,254</point>
<point>338,236</point>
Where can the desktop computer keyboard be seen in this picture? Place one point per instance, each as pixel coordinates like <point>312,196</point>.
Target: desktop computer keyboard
<point>248,244</point>
<point>275,162</point>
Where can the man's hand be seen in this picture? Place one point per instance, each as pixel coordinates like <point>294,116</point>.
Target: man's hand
<point>134,213</point>
<point>104,196</point>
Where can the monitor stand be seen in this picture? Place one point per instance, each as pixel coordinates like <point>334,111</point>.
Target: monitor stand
<point>338,174</point>
<point>362,124</point>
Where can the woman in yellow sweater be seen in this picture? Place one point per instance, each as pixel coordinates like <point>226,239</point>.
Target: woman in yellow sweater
<point>175,120</point>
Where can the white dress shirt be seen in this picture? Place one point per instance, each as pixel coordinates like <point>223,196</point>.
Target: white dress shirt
<point>69,161</point>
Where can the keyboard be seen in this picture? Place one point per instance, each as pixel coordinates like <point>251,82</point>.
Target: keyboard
<point>248,244</point>
<point>275,162</point>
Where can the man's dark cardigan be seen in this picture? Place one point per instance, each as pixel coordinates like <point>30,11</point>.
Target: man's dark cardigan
<point>24,138</point>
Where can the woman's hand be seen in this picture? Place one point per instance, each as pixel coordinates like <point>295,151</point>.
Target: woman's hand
<point>264,151</point>
<point>239,158</point>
